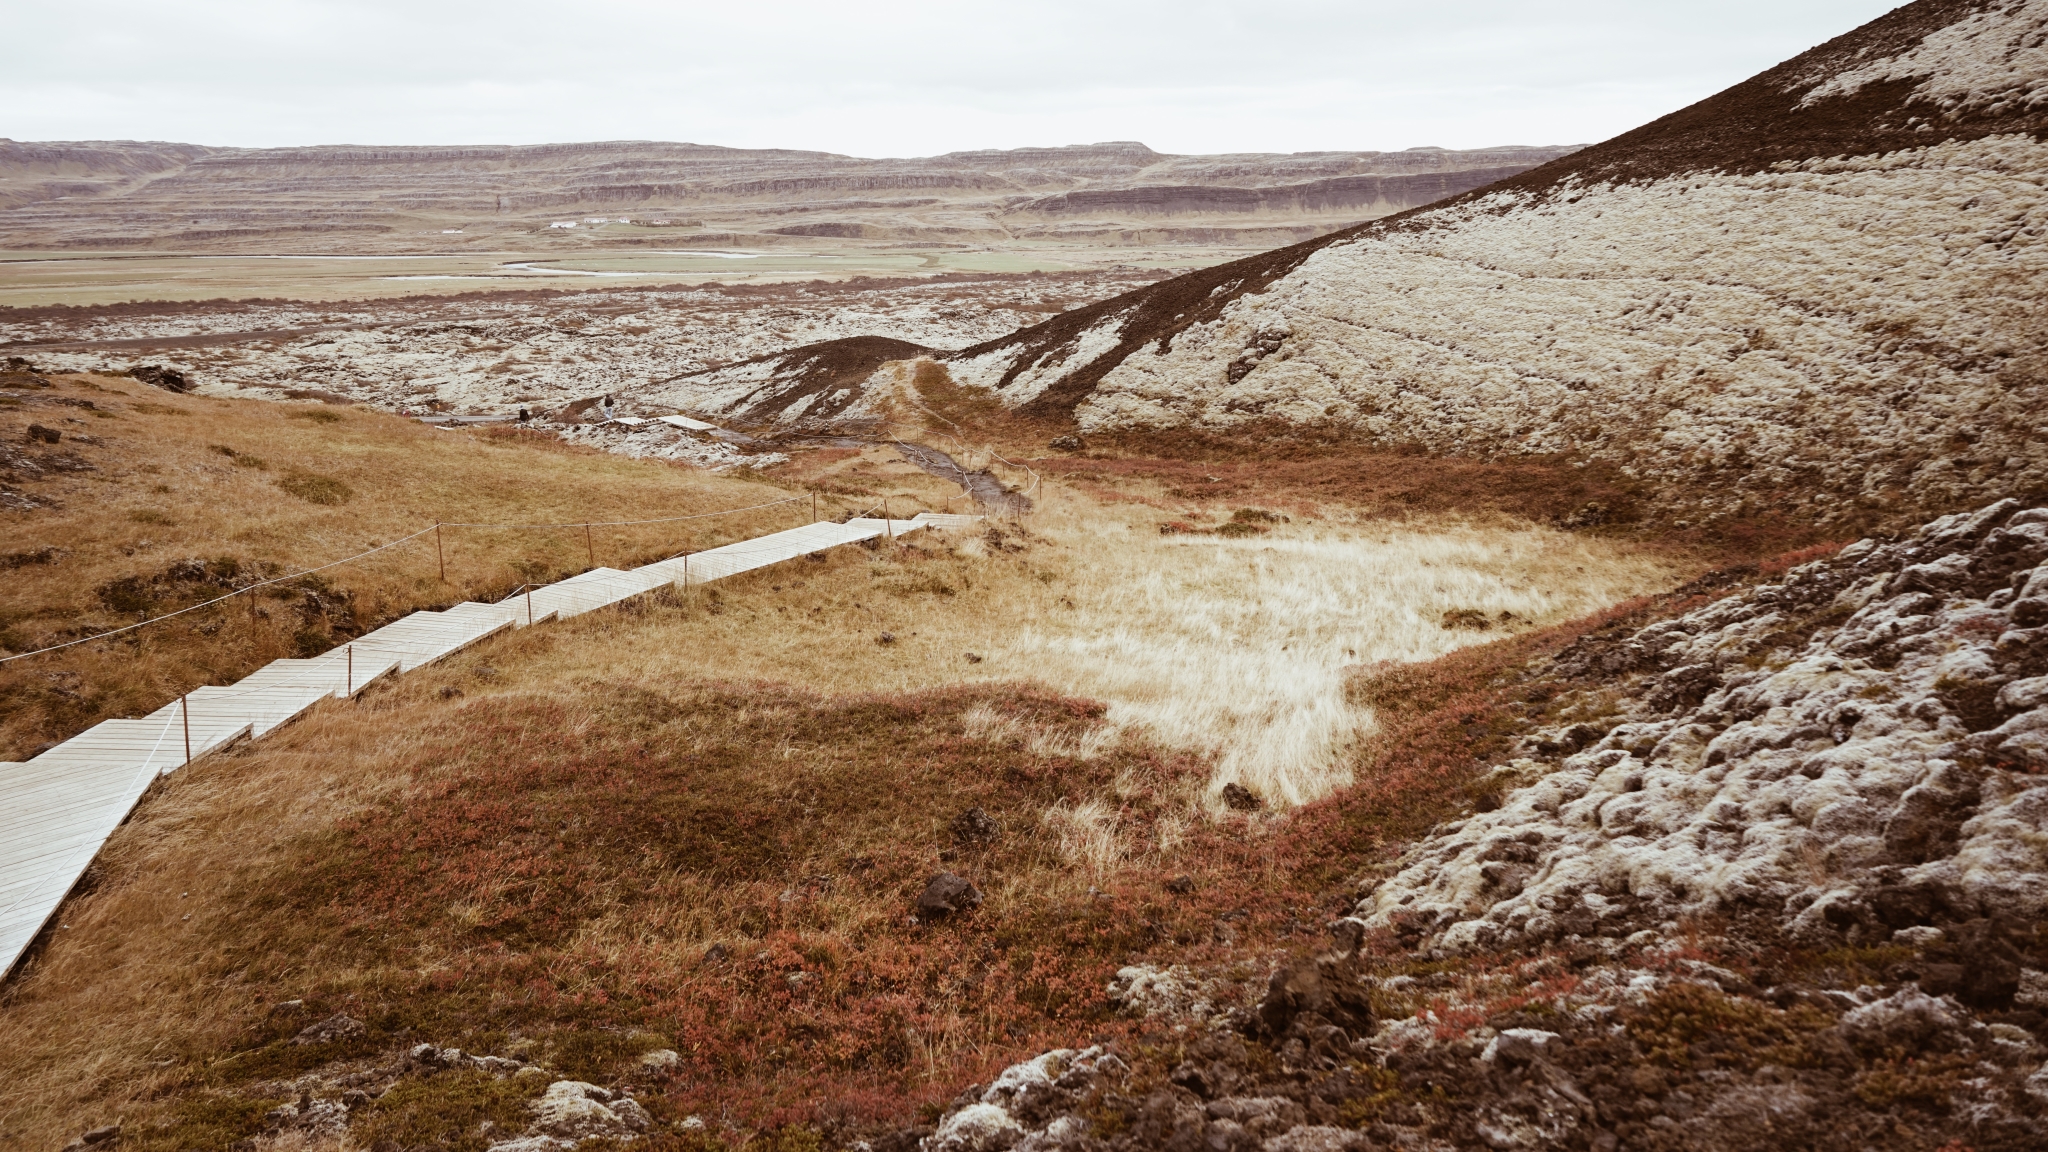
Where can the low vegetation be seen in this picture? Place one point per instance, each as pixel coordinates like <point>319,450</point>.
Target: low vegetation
<point>176,500</point>
<point>698,821</point>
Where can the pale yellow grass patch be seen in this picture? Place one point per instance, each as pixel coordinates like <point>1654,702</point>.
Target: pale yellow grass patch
<point>1229,649</point>
<point>1236,647</point>
<point>1089,836</point>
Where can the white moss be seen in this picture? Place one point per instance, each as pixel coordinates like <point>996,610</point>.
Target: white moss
<point>1829,325</point>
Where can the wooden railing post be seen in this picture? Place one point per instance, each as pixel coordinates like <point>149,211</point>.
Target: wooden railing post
<point>185,710</point>
<point>440,556</point>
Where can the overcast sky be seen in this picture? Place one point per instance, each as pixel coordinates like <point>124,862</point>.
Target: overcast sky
<point>887,79</point>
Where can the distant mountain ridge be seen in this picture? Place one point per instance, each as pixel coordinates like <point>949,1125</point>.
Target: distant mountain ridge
<point>137,194</point>
<point>1820,291</point>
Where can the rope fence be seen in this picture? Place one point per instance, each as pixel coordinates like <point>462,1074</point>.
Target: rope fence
<point>435,529</point>
<point>586,525</point>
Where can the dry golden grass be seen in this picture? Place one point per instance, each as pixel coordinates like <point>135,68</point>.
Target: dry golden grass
<point>131,983</point>
<point>194,478</point>
<point>150,973</point>
<point>1228,650</point>
<point>1228,647</point>
<point>120,1000</point>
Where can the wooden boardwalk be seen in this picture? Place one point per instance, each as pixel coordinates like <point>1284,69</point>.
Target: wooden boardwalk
<point>57,809</point>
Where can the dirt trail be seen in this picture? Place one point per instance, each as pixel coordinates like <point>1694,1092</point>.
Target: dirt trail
<point>988,491</point>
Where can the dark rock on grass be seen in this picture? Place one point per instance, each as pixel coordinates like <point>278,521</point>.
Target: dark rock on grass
<point>1310,994</point>
<point>158,376</point>
<point>1239,798</point>
<point>43,555</point>
<point>975,826</point>
<point>39,434</point>
<point>68,462</point>
<point>946,895</point>
<point>886,638</point>
<point>105,1135</point>
<point>1181,885</point>
<point>339,1026</point>
<point>714,956</point>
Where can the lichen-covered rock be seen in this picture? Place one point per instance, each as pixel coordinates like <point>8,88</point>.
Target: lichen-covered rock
<point>339,1026</point>
<point>1029,1105</point>
<point>661,1060</point>
<point>1146,990</point>
<point>976,1128</point>
<point>576,1110</point>
<point>1859,760</point>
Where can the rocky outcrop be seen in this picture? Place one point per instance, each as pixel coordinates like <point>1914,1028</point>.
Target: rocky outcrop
<point>571,1111</point>
<point>818,385</point>
<point>1852,755</point>
<point>1786,893</point>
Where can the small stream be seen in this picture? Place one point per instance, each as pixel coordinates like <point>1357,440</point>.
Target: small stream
<point>989,493</point>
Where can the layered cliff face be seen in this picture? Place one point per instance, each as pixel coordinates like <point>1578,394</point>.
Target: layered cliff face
<point>31,172</point>
<point>115,195</point>
<point>1820,290</point>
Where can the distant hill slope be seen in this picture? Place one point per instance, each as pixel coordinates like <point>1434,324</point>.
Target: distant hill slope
<point>1822,288</point>
<point>127,194</point>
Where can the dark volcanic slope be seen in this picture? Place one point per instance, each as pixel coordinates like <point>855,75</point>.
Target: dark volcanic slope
<point>816,383</point>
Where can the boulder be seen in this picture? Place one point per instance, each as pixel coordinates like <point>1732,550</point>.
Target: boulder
<point>158,376</point>
<point>339,1026</point>
<point>975,826</point>
<point>1239,798</point>
<point>1326,988</point>
<point>975,1128</point>
<point>1518,1046</point>
<point>578,1110</point>
<point>1910,1020</point>
<point>103,1136</point>
<point>946,895</point>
